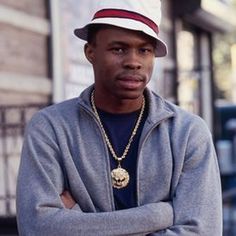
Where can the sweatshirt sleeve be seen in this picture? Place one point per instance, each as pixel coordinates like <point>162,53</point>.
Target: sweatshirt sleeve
<point>40,210</point>
<point>197,201</point>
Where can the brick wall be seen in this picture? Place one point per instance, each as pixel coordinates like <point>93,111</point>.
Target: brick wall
<point>23,51</point>
<point>24,63</point>
<point>35,7</point>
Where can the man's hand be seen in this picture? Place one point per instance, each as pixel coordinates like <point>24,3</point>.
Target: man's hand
<point>67,199</point>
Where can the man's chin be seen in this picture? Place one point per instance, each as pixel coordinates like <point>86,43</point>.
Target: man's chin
<point>130,94</point>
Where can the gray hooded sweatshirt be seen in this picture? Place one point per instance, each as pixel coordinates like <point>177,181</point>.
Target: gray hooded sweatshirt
<point>178,181</point>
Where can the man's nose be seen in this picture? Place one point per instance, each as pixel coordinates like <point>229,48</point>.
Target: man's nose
<point>132,60</point>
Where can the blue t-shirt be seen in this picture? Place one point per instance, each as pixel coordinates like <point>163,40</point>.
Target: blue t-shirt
<point>119,127</point>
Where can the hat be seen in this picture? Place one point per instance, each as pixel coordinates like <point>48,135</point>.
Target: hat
<point>140,15</point>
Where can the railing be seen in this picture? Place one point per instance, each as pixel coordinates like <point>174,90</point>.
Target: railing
<point>12,123</point>
<point>229,211</point>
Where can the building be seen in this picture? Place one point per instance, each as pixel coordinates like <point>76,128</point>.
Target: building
<point>43,63</point>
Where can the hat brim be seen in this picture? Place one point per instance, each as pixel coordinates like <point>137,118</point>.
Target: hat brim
<point>161,48</point>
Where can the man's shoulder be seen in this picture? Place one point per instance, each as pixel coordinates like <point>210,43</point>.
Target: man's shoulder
<point>54,112</point>
<point>188,121</point>
<point>63,107</point>
<point>66,111</point>
<point>163,103</point>
<point>180,116</point>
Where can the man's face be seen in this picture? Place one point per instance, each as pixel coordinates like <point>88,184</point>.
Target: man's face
<point>122,61</point>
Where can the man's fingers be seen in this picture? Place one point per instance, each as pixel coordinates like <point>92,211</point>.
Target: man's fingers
<point>67,199</point>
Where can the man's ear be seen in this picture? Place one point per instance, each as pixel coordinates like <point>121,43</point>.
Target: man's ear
<point>89,52</point>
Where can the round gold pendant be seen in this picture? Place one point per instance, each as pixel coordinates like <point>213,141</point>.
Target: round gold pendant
<point>120,178</point>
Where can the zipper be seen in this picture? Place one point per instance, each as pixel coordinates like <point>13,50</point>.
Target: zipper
<point>107,156</point>
<point>138,157</point>
<point>139,150</point>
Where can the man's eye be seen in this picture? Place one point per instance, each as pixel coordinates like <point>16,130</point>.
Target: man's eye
<point>118,50</point>
<point>146,50</point>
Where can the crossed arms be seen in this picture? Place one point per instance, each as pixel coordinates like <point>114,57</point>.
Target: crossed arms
<point>45,208</point>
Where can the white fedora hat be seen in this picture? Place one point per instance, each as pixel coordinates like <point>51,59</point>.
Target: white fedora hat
<point>140,15</point>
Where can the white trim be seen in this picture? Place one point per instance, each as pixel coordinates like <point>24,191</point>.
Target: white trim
<point>166,25</point>
<point>23,20</point>
<point>23,83</point>
<point>221,10</point>
<point>57,53</point>
<point>206,90</point>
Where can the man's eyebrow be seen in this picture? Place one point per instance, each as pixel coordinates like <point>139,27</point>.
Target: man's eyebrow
<point>121,43</point>
<point>117,42</point>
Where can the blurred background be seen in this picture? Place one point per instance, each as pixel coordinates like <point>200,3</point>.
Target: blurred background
<point>42,63</point>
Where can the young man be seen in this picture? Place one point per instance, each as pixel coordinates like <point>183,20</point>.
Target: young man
<point>119,160</point>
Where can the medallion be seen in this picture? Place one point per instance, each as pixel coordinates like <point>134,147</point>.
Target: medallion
<point>120,178</point>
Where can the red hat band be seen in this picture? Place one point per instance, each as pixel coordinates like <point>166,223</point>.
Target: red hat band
<point>116,13</point>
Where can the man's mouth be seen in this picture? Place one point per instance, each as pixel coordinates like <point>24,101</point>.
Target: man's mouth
<point>131,81</point>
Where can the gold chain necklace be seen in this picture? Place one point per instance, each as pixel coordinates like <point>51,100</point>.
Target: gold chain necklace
<point>120,177</point>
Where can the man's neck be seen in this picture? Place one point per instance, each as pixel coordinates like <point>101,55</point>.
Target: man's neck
<point>118,106</point>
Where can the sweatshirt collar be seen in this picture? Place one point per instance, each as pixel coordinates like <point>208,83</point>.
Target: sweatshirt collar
<point>158,108</point>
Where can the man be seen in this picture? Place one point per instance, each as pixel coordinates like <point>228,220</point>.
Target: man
<point>119,160</point>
